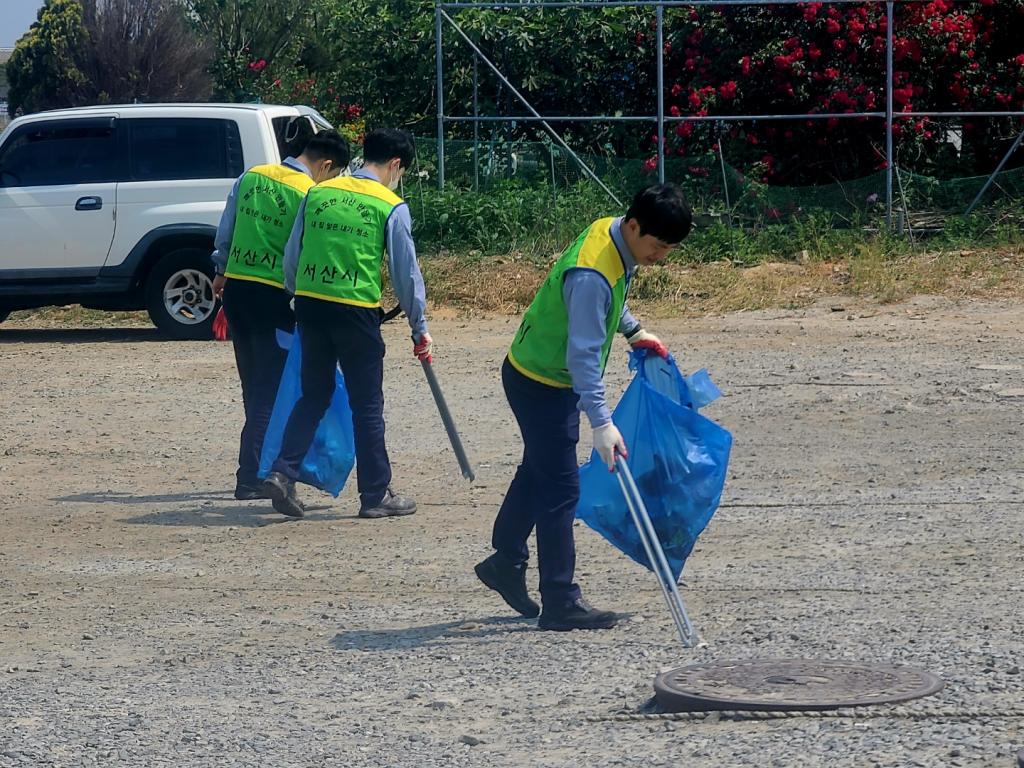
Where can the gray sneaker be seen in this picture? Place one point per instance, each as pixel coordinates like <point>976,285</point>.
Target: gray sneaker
<point>392,505</point>
<point>281,492</point>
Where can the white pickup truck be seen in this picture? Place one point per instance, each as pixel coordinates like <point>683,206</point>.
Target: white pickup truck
<point>116,207</point>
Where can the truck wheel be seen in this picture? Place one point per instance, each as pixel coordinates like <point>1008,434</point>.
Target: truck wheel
<point>179,294</point>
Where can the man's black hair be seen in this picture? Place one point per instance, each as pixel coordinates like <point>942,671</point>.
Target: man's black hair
<point>328,145</point>
<point>384,144</point>
<point>661,210</point>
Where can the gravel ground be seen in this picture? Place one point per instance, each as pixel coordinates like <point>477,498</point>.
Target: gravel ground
<point>873,513</point>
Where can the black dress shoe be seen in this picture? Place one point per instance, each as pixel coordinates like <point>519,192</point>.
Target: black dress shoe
<point>281,491</point>
<point>508,581</point>
<point>250,491</point>
<point>392,505</point>
<point>578,614</point>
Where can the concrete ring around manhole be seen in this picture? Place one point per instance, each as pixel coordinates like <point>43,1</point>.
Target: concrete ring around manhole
<point>791,685</point>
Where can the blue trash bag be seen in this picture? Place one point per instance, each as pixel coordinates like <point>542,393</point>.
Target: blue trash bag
<point>678,459</point>
<point>333,453</point>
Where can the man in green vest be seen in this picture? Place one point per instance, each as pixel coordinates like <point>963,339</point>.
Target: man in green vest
<point>249,262</point>
<point>554,370</point>
<point>333,264</point>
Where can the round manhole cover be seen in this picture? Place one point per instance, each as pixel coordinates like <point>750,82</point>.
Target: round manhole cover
<point>789,684</point>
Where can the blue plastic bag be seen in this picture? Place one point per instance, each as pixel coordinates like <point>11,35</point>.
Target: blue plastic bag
<point>678,459</point>
<point>332,455</point>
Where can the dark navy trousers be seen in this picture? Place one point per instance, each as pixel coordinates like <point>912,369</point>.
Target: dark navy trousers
<point>341,334</point>
<point>546,487</point>
<point>255,312</point>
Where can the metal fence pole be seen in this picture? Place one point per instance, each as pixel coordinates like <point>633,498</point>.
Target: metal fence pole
<point>438,34</point>
<point>889,160</point>
<point>660,16</point>
<point>476,127</point>
<point>720,133</point>
<point>991,179</point>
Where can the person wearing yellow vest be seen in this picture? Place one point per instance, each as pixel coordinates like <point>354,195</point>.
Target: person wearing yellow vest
<point>249,262</point>
<point>333,263</point>
<point>554,369</point>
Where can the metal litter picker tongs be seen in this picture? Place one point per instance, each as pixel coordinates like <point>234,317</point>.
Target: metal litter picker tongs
<point>655,554</point>
<point>442,408</point>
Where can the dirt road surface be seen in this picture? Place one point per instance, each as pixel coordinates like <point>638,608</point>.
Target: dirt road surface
<point>873,512</point>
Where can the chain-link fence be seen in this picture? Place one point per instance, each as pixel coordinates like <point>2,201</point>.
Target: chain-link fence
<point>532,198</point>
<point>713,186</point>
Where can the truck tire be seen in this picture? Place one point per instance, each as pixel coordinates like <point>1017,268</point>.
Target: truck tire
<point>179,294</point>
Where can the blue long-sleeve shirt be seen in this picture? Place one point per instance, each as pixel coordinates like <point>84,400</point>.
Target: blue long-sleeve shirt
<point>406,278</point>
<point>588,299</point>
<point>226,228</point>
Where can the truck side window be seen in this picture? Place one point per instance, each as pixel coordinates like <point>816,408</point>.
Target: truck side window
<point>174,149</point>
<point>60,152</point>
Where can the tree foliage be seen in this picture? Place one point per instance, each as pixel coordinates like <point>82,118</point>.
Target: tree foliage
<point>81,52</point>
<point>43,71</point>
<point>249,36</point>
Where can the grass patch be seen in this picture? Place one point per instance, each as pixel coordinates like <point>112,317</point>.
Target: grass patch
<point>507,284</point>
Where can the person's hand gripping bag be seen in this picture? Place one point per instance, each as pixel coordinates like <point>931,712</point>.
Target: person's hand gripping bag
<point>678,459</point>
<point>332,455</point>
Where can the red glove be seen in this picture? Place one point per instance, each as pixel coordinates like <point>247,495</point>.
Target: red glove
<point>220,326</point>
<point>641,339</point>
<point>424,348</point>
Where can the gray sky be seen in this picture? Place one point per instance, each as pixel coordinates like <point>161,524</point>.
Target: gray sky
<point>16,16</point>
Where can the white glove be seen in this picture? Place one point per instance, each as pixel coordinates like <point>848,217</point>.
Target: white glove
<point>607,442</point>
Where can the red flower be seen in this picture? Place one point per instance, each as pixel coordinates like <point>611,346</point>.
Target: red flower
<point>745,65</point>
<point>832,26</point>
<point>728,90</point>
<point>902,95</point>
<point>258,66</point>
<point>1019,60</point>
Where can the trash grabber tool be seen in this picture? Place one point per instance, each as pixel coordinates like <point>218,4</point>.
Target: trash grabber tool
<point>449,425</point>
<point>442,406</point>
<point>655,554</point>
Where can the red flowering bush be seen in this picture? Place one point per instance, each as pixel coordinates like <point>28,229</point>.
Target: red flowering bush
<point>292,86</point>
<point>830,59</point>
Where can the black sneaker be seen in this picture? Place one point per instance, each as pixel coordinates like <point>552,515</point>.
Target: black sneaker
<point>508,581</point>
<point>250,491</point>
<point>578,614</point>
<point>281,491</point>
<point>392,505</point>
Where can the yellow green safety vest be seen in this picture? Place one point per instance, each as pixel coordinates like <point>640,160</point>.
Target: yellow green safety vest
<point>265,209</point>
<point>343,241</point>
<point>541,343</point>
